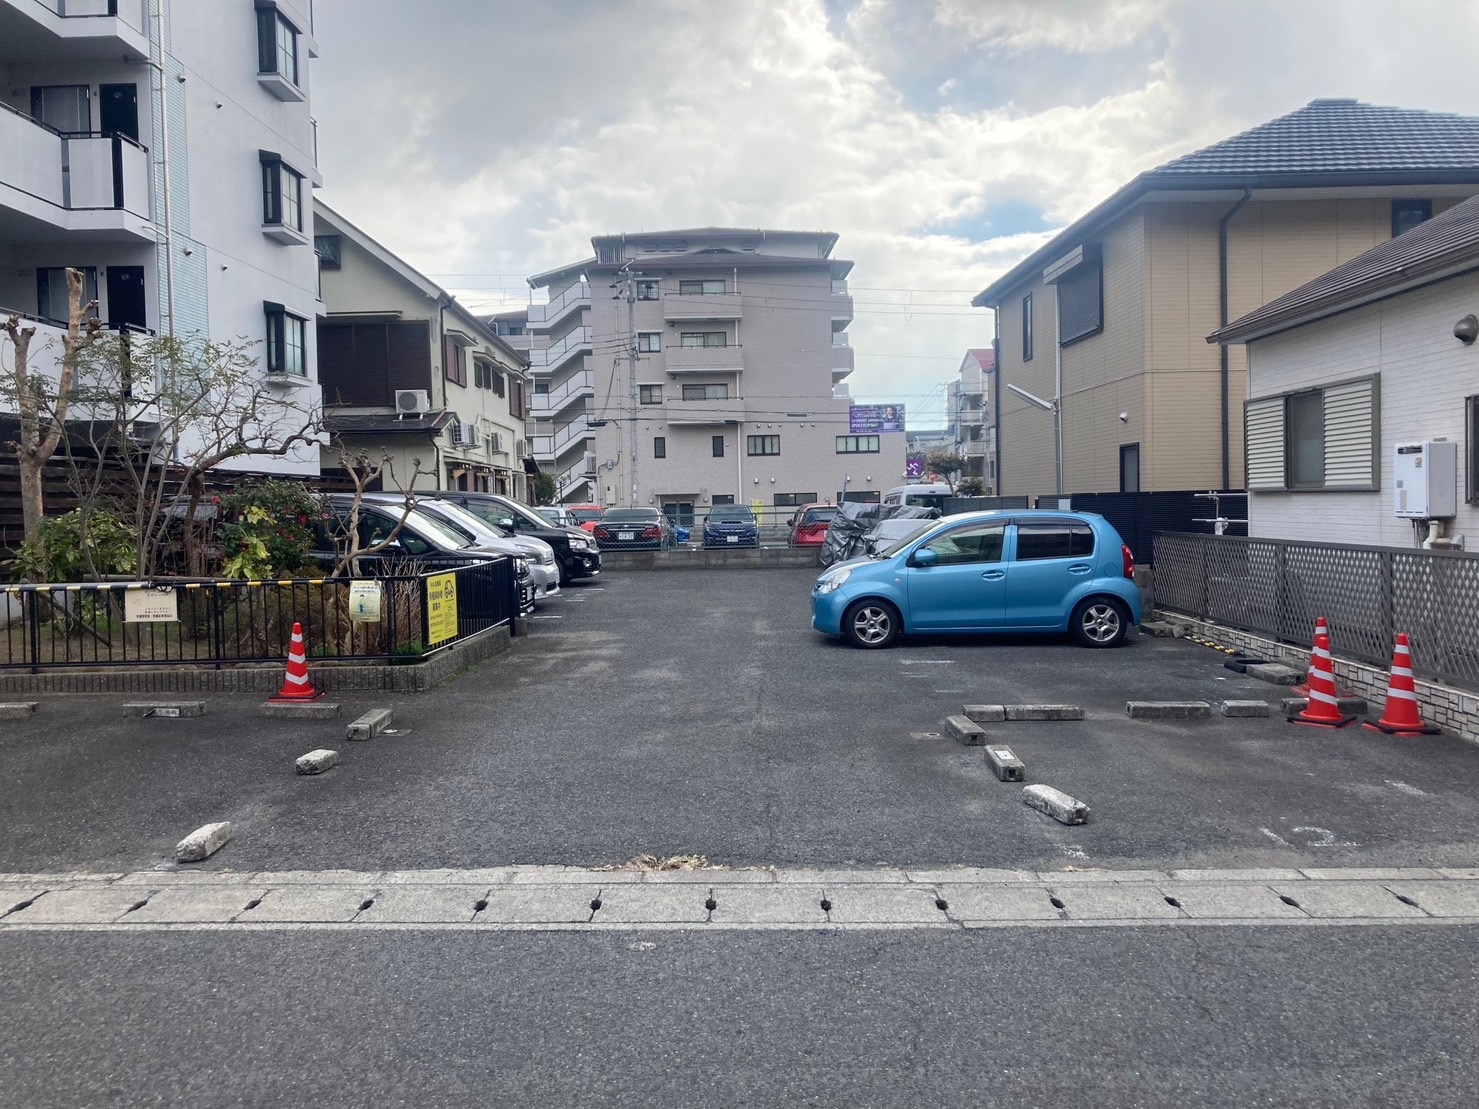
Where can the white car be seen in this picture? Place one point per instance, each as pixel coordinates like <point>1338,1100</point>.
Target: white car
<point>544,571</point>
<point>558,515</point>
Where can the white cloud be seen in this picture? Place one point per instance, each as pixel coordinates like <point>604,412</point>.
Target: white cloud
<point>500,150</point>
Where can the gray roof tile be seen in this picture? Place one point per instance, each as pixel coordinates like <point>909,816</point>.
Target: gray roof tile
<point>1340,136</point>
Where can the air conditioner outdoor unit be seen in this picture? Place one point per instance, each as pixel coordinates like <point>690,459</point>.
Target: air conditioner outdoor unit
<point>411,402</point>
<point>469,434</point>
<point>496,446</point>
<point>590,464</point>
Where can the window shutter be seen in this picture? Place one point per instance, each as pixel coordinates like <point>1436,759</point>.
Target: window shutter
<point>1263,422</point>
<point>1350,450</point>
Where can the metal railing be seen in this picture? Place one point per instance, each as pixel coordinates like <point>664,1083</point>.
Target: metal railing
<point>580,383</point>
<point>550,357</point>
<point>1279,587</point>
<point>551,312</point>
<point>224,622</point>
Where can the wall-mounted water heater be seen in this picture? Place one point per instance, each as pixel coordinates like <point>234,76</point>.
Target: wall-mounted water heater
<point>1425,480</point>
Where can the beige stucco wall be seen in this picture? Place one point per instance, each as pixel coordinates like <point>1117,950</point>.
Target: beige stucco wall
<point>1426,374</point>
<point>1152,361</point>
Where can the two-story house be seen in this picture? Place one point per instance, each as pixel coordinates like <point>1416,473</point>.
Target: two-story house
<point>168,151</point>
<point>1104,325</point>
<point>409,373</point>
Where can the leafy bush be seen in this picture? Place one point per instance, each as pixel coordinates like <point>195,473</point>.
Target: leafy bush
<point>268,531</point>
<point>58,553</point>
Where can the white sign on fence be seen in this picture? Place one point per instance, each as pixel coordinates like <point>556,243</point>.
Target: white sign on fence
<point>150,605</point>
<point>364,601</point>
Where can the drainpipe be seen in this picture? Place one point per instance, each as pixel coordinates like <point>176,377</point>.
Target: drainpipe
<point>169,236</point>
<point>996,400</point>
<point>1222,315</point>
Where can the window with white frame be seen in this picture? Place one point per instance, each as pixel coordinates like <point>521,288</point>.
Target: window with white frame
<point>649,342</point>
<point>1312,440</point>
<point>649,394</point>
<point>705,339</point>
<point>762,444</point>
<point>286,342</point>
<point>282,193</point>
<point>647,290</point>
<point>857,444</point>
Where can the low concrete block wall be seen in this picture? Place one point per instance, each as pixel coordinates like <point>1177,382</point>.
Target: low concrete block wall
<point>1455,710</point>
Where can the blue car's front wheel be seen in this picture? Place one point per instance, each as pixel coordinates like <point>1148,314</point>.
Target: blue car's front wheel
<point>871,624</point>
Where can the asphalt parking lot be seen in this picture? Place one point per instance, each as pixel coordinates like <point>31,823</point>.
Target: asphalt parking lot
<point>697,713</point>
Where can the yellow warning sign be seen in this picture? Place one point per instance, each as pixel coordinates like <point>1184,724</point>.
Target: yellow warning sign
<point>441,608</point>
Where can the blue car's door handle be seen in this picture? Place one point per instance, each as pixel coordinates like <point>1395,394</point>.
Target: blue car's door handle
<point>994,575</point>
<point>1080,568</point>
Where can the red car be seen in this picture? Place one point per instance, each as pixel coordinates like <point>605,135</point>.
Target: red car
<point>585,515</point>
<point>809,525</point>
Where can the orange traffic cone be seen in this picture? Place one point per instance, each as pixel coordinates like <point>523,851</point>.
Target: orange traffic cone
<point>1401,716</point>
<point>295,686</point>
<point>1323,709</point>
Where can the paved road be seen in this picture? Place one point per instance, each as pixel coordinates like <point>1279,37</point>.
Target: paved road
<point>696,712</point>
<point>1237,1017</point>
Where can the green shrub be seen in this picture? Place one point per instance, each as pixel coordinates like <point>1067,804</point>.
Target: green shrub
<point>57,554</point>
<point>268,530</point>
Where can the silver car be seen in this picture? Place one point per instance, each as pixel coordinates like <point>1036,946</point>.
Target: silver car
<point>544,571</point>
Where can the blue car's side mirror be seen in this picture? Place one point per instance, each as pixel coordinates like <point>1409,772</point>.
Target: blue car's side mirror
<point>924,557</point>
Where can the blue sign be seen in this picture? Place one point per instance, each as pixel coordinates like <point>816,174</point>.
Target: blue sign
<point>870,419</point>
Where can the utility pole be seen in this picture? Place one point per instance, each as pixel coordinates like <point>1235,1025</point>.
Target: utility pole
<point>630,293</point>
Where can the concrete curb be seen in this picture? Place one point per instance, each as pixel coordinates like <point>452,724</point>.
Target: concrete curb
<point>966,730</point>
<point>1348,706</point>
<point>1245,708</point>
<point>1044,712</point>
<point>18,710</point>
<point>986,714</point>
<point>164,708</point>
<point>204,842</point>
<point>1168,710</point>
<point>1276,673</point>
<point>1004,764</point>
<point>1055,803</point>
<point>316,762</point>
<point>370,724</point>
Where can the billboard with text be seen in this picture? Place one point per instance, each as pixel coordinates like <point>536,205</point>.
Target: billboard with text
<point>871,419</point>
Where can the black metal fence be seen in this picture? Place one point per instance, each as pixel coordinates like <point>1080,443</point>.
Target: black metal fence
<point>1367,594</point>
<point>221,622</point>
<point>1140,517</point>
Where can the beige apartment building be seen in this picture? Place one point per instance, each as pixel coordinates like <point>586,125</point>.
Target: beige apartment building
<point>1106,324</point>
<point>408,373</point>
<point>684,369</point>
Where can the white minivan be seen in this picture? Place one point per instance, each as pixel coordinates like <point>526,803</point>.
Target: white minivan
<point>921,495</point>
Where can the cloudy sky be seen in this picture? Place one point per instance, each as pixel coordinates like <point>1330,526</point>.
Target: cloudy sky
<point>484,140</point>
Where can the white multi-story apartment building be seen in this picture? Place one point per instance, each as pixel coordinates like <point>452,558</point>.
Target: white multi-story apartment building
<point>690,368</point>
<point>166,149</point>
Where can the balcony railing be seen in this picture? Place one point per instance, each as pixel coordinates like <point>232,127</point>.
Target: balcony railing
<point>695,306</point>
<point>545,316</point>
<point>724,360</point>
<point>841,309</point>
<point>704,411</point>
<point>842,358</point>
<point>91,20</point>
<point>551,357</point>
<point>545,405</point>
<point>73,171</point>
<point>552,446</point>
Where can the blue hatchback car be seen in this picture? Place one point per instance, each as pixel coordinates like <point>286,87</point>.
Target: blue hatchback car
<point>1037,570</point>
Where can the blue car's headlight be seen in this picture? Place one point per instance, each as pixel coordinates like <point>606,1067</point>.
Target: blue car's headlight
<point>834,581</point>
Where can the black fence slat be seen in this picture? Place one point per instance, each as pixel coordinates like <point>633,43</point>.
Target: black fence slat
<point>233,622</point>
